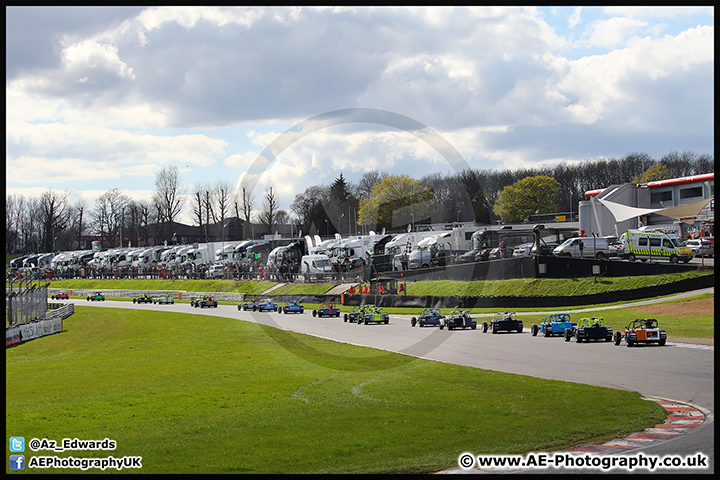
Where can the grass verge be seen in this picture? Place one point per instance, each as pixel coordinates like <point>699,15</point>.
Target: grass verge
<point>214,395</point>
<point>546,286</point>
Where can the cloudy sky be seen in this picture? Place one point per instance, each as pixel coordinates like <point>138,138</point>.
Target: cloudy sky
<point>102,98</point>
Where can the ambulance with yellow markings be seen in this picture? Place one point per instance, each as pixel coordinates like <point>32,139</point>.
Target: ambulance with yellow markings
<point>643,245</point>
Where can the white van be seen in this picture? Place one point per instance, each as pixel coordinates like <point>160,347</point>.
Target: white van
<point>315,267</point>
<point>593,247</point>
<point>643,245</point>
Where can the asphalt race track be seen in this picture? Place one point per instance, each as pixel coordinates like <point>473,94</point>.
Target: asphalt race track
<point>679,372</point>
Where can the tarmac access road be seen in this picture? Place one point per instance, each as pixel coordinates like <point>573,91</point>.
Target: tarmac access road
<point>681,372</point>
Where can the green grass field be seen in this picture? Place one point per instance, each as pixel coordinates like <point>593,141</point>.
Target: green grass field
<point>545,286</point>
<point>200,394</point>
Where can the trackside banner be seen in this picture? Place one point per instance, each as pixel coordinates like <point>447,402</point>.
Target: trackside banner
<point>29,331</point>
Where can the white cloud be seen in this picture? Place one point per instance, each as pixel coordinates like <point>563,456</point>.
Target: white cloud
<point>174,85</point>
<point>659,11</point>
<point>613,32</point>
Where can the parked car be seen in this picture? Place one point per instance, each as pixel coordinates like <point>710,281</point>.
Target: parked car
<point>504,321</point>
<point>553,324</point>
<point>216,270</point>
<point>484,255</point>
<point>266,305</point>
<point>60,296</point>
<point>429,316</point>
<point>522,250</point>
<point>468,257</point>
<point>250,304</point>
<point>543,249</point>
<point>374,314</point>
<point>590,328</point>
<point>701,248</point>
<point>204,301</point>
<point>461,319</point>
<point>144,298</point>
<point>291,306</point>
<point>496,253</point>
<point>97,296</point>
<point>642,331</point>
<point>165,299</point>
<point>327,309</point>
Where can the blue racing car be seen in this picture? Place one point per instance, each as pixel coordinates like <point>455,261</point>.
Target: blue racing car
<point>266,305</point>
<point>553,324</point>
<point>292,306</point>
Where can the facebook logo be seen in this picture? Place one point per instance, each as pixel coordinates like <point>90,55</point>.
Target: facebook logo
<point>17,462</point>
<point>17,444</point>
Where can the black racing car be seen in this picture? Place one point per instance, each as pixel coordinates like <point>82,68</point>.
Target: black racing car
<point>461,319</point>
<point>590,328</point>
<point>429,316</point>
<point>504,321</point>
<point>145,298</point>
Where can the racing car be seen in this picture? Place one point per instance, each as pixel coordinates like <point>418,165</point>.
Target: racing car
<point>291,306</point>
<point>250,304</point>
<point>429,316</point>
<point>144,298</point>
<point>373,314</point>
<point>356,315</point>
<point>265,305</point>
<point>506,321</point>
<point>642,330</point>
<point>204,301</point>
<point>327,309</point>
<point>590,328</point>
<point>553,324</point>
<point>460,319</point>
<point>165,299</point>
<point>96,296</point>
<point>61,296</point>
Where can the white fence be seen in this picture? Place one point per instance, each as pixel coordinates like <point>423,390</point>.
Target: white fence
<point>26,306</point>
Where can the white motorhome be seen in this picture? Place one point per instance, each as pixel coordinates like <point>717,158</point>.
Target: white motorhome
<point>181,255</point>
<point>403,244</point>
<point>225,254</point>
<point>197,256</point>
<point>240,252</point>
<point>644,245</point>
<point>420,256</point>
<point>167,258</point>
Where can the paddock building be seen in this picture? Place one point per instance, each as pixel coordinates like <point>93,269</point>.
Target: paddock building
<point>684,204</point>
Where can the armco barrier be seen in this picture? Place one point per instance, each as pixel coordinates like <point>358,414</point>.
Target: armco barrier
<point>46,324</point>
<point>32,330</point>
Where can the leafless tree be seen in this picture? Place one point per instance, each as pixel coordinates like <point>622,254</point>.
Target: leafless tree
<point>363,189</point>
<point>54,216</point>
<point>77,215</point>
<point>168,198</point>
<point>245,203</point>
<point>267,216</point>
<point>222,195</point>
<point>109,216</point>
